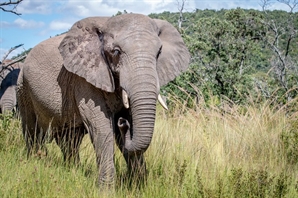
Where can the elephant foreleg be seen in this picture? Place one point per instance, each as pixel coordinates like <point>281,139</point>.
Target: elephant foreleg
<point>98,124</point>
<point>69,141</point>
<point>136,165</point>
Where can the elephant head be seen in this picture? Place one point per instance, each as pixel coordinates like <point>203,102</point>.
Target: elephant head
<point>131,54</point>
<point>8,80</point>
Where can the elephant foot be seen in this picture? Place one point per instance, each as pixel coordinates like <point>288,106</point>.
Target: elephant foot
<point>106,183</point>
<point>41,153</point>
<point>107,190</point>
<point>106,179</point>
<point>36,150</point>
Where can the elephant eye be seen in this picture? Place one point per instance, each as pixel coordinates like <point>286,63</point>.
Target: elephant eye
<point>116,52</point>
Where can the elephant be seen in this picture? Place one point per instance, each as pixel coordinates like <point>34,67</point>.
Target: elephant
<point>103,78</point>
<point>8,83</point>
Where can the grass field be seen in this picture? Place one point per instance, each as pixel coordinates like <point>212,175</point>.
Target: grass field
<point>217,152</point>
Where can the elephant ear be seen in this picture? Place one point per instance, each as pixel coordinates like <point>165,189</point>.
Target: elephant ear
<point>81,51</point>
<point>174,57</point>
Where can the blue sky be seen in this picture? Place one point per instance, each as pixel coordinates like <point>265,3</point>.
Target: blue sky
<point>42,19</point>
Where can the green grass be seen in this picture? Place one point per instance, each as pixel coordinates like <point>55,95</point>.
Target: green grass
<point>216,152</point>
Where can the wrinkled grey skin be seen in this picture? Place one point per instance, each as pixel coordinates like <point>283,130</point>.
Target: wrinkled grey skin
<point>8,82</point>
<point>73,84</point>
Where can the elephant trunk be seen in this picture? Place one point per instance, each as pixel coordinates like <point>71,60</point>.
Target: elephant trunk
<point>143,118</point>
<point>8,100</point>
<point>142,97</point>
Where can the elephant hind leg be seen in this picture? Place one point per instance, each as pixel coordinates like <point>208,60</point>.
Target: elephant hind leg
<point>35,143</point>
<point>34,136</point>
<point>69,141</point>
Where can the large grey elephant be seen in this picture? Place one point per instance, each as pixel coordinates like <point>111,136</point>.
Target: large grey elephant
<point>8,82</point>
<point>103,77</point>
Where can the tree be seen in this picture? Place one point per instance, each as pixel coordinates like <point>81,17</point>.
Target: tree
<point>234,54</point>
<point>180,9</point>
<point>119,12</point>
<point>10,6</point>
<point>221,49</point>
<point>282,35</point>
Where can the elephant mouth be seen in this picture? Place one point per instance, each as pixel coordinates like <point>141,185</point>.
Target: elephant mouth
<point>125,100</point>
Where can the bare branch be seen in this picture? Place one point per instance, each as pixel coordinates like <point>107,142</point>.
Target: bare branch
<point>265,4</point>
<point>284,32</point>
<point>180,9</point>
<point>13,3</point>
<point>3,67</point>
<point>290,4</point>
<point>288,45</point>
<point>9,51</point>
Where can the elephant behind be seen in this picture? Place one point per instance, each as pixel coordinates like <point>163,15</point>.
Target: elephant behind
<point>102,77</point>
<point>8,82</point>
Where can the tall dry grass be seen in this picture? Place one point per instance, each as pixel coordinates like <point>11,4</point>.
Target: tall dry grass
<point>226,151</point>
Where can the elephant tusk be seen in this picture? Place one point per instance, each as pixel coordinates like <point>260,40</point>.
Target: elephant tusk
<point>125,99</point>
<point>162,102</point>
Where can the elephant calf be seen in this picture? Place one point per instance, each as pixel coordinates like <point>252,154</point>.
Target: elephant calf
<point>8,82</point>
<point>102,77</point>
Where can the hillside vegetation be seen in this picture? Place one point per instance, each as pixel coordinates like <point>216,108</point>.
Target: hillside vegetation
<point>236,53</point>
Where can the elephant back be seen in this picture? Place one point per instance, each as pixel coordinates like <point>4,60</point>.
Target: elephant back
<point>40,82</point>
<point>43,58</point>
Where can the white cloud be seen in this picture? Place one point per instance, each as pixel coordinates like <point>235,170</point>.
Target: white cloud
<point>4,24</point>
<point>35,6</point>
<point>218,5</point>
<point>158,4</point>
<point>2,53</point>
<point>109,8</point>
<point>23,24</point>
<point>87,8</point>
<point>229,4</point>
<point>60,25</point>
<point>278,6</point>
